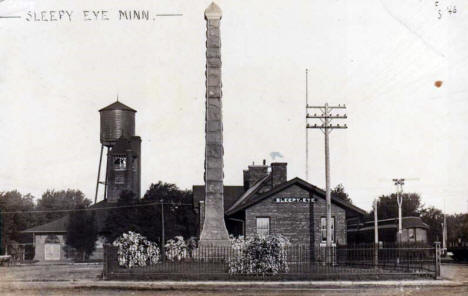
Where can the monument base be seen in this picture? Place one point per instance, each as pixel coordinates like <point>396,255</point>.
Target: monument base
<point>207,243</point>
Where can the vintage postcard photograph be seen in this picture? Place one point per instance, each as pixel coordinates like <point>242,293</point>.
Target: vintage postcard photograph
<point>256,147</point>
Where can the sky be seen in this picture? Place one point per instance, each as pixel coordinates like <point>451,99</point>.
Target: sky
<point>380,58</point>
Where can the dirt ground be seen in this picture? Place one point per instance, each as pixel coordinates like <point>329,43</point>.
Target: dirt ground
<point>56,272</point>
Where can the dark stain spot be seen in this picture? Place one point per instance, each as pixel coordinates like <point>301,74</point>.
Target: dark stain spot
<point>438,83</point>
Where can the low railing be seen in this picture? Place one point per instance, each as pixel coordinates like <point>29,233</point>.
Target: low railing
<point>303,263</point>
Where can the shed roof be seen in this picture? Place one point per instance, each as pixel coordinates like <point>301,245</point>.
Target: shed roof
<point>408,222</point>
<point>414,222</point>
<point>58,226</point>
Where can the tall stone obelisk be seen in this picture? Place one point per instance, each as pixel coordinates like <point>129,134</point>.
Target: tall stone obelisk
<point>214,232</point>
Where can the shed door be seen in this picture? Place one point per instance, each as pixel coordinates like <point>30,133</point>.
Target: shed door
<point>52,252</point>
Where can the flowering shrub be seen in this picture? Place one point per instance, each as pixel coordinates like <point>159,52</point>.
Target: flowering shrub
<point>259,255</point>
<point>176,249</point>
<point>135,250</point>
<point>238,243</point>
<point>192,243</point>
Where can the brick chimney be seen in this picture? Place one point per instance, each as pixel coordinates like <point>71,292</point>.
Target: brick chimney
<point>246,180</point>
<point>279,173</point>
<point>254,174</point>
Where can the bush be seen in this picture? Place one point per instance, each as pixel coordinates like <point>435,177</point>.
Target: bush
<point>176,249</point>
<point>135,250</point>
<point>259,255</point>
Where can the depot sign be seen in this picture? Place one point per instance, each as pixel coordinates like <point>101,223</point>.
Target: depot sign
<point>293,200</point>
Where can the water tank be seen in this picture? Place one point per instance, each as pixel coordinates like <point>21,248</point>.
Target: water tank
<point>117,120</point>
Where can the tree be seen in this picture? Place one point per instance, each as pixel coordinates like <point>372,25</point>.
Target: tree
<point>457,228</point>
<point>82,232</point>
<point>339,192</point>
<point>14,223</point>
<point>144,216</point>
<point>179,217</point>
<point>434,218</point>
<point>388,207</point>
<point>125,217</point>
<point>60,200</point>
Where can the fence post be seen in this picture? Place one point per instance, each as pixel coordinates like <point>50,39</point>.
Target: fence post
<point>105,270</point>
<point>437,260</point>
<point>334,255</point>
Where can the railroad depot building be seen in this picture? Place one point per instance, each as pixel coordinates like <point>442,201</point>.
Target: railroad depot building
<point>267,203</point>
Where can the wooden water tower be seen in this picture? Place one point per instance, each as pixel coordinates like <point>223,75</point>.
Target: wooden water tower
<point>123,165</point>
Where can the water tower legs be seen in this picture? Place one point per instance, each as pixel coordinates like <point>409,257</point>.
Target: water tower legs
<point>106,181</point>
<point>98,175</point>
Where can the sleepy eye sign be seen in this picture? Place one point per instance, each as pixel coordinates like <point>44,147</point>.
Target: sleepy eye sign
<point>294,200</point>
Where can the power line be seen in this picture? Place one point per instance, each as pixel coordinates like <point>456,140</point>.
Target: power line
<point>95,209</point>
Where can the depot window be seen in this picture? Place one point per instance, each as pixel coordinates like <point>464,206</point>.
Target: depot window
<point>263,226</point>
<point>323,229</point>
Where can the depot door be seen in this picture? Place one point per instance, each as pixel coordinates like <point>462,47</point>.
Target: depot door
<point>52,252</point>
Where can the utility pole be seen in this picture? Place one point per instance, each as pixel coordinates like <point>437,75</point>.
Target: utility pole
<point>306,129</point>
<point>376,223</point>
<point>326,127</point>
<point>163,239</point>
<point>1,232</point>
<point>444,232</point>
<point>399,182</point>
<point>399,191</point>
<point>376,234</point>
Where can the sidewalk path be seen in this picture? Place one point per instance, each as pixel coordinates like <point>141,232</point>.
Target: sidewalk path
<point>219,285</point>
<point>455,272</point>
